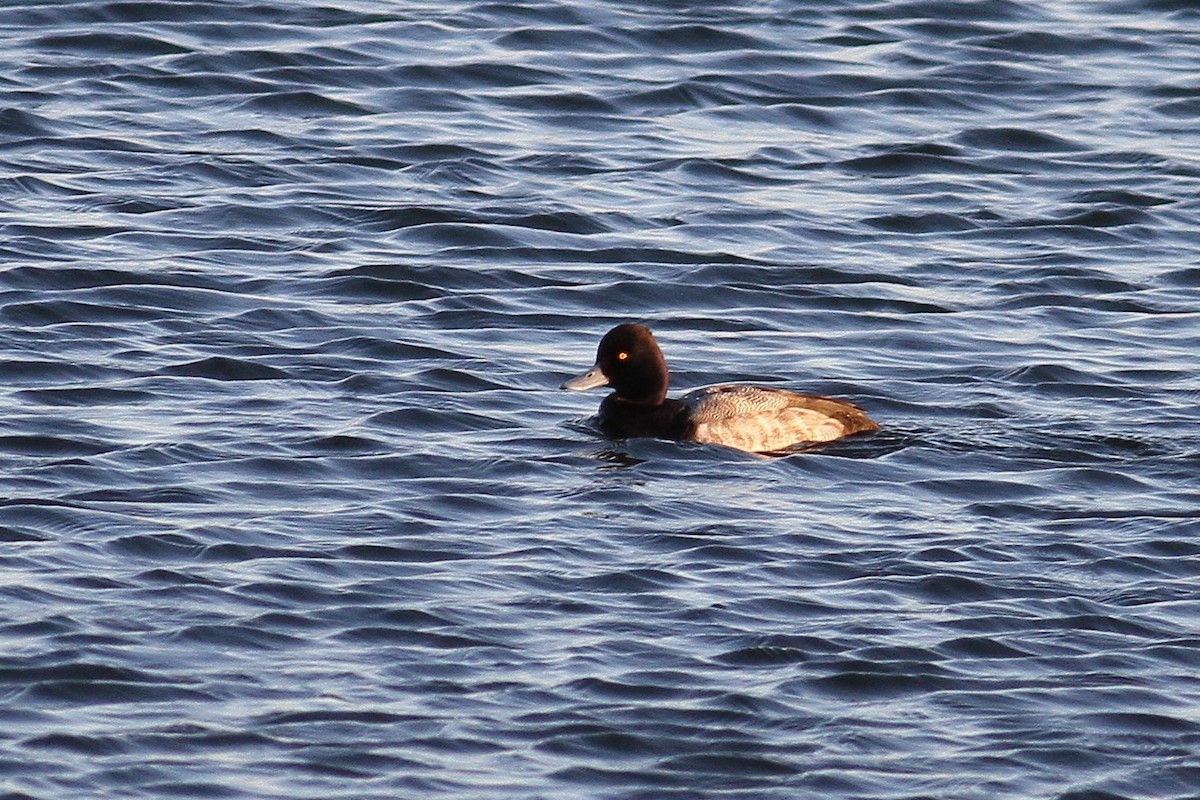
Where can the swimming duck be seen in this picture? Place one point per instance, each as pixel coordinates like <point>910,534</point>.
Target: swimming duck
<point>757,419</point>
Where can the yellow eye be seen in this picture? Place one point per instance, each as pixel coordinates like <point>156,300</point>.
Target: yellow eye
<point>622,356</point>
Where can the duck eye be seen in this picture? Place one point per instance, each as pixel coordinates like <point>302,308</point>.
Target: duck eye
<point>622,356</point>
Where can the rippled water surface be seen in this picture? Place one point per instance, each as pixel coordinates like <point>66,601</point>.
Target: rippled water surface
<point>292,507</point>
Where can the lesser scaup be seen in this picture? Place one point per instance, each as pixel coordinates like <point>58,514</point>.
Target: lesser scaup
<point>753,418</point>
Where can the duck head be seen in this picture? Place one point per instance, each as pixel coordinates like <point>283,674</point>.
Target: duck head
<point>631,362</point>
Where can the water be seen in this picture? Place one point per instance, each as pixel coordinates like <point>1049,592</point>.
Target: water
<point>292,507</point>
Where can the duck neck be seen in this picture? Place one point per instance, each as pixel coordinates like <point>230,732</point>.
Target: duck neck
<point>647,389</point>
<point>655,399</point>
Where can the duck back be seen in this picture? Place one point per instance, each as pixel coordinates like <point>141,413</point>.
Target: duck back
<point>762,419</point>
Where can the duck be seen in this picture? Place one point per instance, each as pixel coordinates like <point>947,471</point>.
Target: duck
<point>755,419</point>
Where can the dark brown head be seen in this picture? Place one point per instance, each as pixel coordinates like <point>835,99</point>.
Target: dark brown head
<point>630,361</point>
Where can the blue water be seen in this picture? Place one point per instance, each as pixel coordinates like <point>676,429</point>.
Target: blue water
<point>291,506</point>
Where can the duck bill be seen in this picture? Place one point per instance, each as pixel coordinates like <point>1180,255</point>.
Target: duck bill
<point>591,379</point>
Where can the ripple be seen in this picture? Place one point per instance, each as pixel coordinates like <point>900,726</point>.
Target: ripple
<point>291,500</point>
<point>910,163</point>
<point>109,43</point>
<point>1016,139</point>
<point>92,396</point>
<point>304,104</point>
<point>220,368</point>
